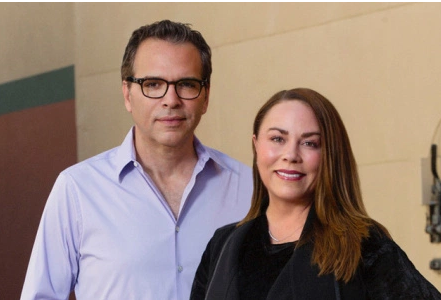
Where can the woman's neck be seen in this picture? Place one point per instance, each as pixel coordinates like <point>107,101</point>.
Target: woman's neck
<point>285,223</point>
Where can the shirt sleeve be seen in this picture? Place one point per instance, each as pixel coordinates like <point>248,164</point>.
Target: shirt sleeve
<point>389,274</point>
<point>53,265</point>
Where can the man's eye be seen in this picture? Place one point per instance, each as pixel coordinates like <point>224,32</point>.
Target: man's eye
<point>151,84</point>
<point>188,84</point>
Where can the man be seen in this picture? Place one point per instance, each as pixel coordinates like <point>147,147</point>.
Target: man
<point>132,222</point>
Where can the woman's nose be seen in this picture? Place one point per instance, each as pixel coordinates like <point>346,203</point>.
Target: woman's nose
<point>292,154</point>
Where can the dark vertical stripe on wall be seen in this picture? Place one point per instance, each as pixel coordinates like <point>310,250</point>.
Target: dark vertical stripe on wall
<point>42,89</point>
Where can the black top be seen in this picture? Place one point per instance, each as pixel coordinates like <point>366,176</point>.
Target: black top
<point>384,272</point>
<point>260,262</point>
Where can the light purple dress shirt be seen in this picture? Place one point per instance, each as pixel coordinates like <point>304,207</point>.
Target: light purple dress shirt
<point>107,232</point>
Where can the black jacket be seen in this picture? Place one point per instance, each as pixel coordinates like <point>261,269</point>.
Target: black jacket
<point>384,273</point>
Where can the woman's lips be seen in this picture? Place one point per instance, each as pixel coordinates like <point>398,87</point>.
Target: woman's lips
<point>290,174</point>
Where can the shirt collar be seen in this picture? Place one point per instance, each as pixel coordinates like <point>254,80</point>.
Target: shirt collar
<point>126,155</point>
<point>205,154</point>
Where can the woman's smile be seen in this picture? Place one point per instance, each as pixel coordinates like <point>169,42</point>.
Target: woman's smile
<point>290,175</point>
<point>288,151</point>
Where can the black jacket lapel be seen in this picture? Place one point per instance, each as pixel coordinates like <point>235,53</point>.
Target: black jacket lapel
<point>223,284</point>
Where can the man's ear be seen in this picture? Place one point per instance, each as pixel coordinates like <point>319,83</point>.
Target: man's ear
<point>206,98</point>
<point>126,94</point>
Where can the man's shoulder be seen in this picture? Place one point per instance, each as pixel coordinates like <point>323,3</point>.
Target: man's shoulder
<point>226,160</point>
<point>103,160</point>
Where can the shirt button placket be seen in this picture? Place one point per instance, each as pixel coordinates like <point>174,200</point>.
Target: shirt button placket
<point>179,268</point>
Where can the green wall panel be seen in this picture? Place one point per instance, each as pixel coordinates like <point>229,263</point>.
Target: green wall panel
<point>42,89</point>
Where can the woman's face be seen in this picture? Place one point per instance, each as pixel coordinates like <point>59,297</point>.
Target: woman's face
<point>288,151</point>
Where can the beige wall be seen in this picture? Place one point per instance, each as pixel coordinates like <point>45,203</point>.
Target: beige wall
<point>35,38</point>
<point>379,63</point>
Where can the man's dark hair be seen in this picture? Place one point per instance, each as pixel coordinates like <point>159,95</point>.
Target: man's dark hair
<point>172,32</point>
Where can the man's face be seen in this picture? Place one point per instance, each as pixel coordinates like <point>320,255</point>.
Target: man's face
<point>168,121</point>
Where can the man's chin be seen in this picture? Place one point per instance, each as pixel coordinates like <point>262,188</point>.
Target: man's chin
<point>174,139</point>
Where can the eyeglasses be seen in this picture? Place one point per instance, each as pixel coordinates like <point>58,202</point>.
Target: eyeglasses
<point>156,88</point>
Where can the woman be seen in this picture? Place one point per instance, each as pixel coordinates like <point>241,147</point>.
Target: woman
<point>307,234</point>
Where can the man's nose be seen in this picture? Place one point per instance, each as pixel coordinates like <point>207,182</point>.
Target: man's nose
<point>171,98</point>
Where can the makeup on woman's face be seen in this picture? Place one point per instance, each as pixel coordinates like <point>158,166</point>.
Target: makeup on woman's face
<point>288,149</point>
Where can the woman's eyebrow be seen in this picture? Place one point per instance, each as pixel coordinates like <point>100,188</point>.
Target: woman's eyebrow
<point>308,134</point>
<point>284,131</point>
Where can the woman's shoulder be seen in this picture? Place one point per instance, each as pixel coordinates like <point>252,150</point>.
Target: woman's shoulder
<point>389,273</point>
<point>222,233</point>
<point>220,237</point>
<point>377,236</point>
<point>376,244</point>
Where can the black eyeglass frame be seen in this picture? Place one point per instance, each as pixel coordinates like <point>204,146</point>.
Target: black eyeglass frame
<point>140,81</point>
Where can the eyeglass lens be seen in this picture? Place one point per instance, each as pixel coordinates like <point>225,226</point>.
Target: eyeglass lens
<point>185,88</point>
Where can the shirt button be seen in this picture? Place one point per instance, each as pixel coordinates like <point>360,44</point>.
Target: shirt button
<point>177,228</point>
<point>135,164</point>
<point>180,269</point>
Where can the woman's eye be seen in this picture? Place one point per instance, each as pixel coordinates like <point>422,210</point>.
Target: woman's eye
<point>277,139</point>
<point>311,144</point>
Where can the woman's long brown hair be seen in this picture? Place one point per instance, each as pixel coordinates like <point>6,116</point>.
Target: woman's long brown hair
<point>342,221</point>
